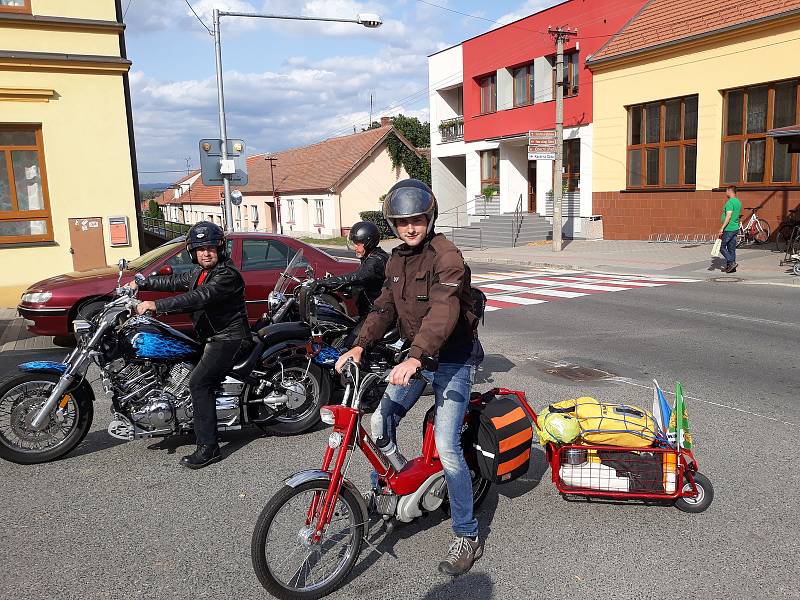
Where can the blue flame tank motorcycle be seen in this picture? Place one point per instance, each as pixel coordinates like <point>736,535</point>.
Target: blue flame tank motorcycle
<point>47,409</point>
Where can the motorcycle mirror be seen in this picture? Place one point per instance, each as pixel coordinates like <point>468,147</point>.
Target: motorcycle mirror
<point>310,271</point>
<point>139,279</point>
<point>122,264</point>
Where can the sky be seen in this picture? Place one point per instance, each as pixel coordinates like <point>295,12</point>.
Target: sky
<point>287,83</point>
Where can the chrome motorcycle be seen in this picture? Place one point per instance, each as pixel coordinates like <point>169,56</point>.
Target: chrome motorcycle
<point>145,365</point>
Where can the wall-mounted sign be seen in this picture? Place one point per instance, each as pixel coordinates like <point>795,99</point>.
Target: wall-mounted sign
<point>212,166</point>
<point>541,144</point>
<point>119,232</point>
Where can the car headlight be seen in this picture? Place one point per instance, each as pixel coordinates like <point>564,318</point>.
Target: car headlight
<point>37,297</point>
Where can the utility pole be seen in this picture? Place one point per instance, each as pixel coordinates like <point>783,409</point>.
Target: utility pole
<point>223,130</point>
<point>561,35</point>
<point>271,160</point>
<point>370,111</point>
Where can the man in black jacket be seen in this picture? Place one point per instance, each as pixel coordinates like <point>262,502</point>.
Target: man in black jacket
<point>364,238</point>
<point>214,294</point>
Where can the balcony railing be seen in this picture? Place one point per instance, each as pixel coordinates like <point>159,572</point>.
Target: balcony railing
<point>452,130</point>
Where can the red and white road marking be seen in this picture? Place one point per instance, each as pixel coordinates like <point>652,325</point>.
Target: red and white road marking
<point>512,289</point>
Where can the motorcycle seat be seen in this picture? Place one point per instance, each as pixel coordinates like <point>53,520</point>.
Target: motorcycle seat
<point>250,356</point>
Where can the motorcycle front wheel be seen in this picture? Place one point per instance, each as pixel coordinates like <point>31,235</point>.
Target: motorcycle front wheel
<point>287,560</point>
<point>21,397</point>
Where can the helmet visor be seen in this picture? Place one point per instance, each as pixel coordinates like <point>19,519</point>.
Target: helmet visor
<point>408,202</point>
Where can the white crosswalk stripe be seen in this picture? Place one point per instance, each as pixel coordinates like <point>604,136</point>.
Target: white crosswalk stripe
<point>511,289</point>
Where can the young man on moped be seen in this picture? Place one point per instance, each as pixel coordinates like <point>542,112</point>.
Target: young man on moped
<point>427,292</point>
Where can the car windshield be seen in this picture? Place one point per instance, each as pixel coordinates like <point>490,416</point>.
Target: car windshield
<point>149,257</point>
<point>285,277</point>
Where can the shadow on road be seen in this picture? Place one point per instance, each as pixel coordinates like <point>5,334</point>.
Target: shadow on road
<point>95,441</point>
<point>491,365</point>
<point>469,586</point>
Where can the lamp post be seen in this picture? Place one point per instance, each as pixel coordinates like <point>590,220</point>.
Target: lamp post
<point>366,19</point>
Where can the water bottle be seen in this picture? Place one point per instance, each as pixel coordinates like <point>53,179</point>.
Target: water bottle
<point>390,451</point>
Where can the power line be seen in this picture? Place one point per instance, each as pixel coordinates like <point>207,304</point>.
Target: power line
<point>198,18</point>
<point>126,9</point>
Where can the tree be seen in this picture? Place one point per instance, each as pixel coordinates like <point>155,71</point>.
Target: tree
<point>419,135</point>
<point>154,210</point>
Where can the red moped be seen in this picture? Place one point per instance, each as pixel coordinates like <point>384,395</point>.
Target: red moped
<point>309,535</point>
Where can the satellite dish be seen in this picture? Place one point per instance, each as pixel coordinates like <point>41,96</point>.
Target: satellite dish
<point>236,197</point>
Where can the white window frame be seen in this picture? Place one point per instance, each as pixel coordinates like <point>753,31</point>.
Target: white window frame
<point>319,212</point>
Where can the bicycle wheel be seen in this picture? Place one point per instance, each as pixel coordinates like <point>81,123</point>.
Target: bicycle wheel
<point>741,237</point>
<point>288,562</point>
<point>782,237</point>
<point>762,232</point>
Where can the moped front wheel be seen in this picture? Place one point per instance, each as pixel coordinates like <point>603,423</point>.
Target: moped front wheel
<point>21,397</point>
<point>288,561</point>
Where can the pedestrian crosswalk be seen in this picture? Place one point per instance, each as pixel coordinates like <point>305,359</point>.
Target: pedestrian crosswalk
<point>513,289</point>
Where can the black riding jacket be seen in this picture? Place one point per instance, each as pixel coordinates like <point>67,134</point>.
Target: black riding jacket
<point>217,305</point>
<point>370,275</point>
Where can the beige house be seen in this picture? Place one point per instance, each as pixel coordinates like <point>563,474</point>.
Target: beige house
<point>65,132</point>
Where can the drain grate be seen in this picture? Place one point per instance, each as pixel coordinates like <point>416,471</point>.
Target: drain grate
<point>579,373</point>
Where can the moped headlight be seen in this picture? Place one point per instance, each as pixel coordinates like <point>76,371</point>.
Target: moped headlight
<point>335,439</point>
<point>327,416</point>
<point>37,297</point>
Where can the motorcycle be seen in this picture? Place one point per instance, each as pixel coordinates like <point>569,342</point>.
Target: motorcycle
<point>313,323</point>
<point>145,365</point>
<point>309,535</point>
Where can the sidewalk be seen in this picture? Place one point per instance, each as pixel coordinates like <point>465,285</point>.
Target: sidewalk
<point>15,336</point>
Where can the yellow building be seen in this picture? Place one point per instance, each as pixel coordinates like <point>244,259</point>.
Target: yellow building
<point>684,95</point>
<point>67,160</point>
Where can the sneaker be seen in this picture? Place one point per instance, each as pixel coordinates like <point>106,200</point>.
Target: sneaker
<point>731,268</point>
<point>461,556</point>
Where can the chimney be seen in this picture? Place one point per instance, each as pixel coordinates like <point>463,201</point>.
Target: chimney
<point>386,121</point>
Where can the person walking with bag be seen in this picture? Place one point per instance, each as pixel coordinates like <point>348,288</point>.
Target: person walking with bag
<point>730,227</point>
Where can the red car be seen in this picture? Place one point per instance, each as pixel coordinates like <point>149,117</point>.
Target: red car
<point>52,304</point>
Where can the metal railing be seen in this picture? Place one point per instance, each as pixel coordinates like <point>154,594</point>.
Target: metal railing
<point>480,209</point>
<point>164,229</point>
<point>516,223</point>
<point>452,130</point>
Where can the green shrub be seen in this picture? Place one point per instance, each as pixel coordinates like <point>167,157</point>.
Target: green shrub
<point>376,216</point>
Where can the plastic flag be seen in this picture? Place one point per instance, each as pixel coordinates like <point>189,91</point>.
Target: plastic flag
<point>679,433</point>
<point>657,414</point>
<point>666,410</point>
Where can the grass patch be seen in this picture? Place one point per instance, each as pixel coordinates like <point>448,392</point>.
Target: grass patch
<point>337,241</point>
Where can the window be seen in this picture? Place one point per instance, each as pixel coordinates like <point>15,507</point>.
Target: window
<point>181,262</point>
<point>20,6</point>
<point>662,143</point>
<point>749,157</point>
<point>254,214</point>
<point>263,255</point>
<point>488,87</point>
<point>571,74</point>
<point>572,165</point>
<point>24,204</point>
<point>490,169</point>
<point>523,85</point>
<point>319,213</point>
<point>290,211</point>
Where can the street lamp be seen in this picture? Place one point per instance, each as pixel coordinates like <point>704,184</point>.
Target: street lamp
<point>369,20</point>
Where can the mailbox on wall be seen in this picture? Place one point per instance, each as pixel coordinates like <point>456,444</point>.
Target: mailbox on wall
<point>119,232</point>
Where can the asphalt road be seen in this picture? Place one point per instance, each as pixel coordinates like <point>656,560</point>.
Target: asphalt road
<point>124,520</point>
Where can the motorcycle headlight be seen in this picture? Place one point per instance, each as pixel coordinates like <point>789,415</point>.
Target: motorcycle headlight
<point>37,297</point>
<point>275,300</point>
<point>327,416</point>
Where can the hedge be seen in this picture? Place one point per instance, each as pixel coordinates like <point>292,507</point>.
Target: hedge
<point>376,216</point>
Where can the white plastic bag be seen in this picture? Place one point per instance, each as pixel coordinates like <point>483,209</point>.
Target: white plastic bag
<point>716,249</point>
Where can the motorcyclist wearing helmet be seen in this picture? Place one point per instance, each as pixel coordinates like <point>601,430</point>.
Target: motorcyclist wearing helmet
<point>364,238</point>
<point>214,295</point>
<point>427,291</point>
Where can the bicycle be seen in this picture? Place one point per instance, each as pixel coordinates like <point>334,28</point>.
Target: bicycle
<point>755,231</point>
<point>784,232</point>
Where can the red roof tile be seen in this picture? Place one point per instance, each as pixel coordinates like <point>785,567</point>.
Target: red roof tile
<point>315,168</point>
<point>662,22</point>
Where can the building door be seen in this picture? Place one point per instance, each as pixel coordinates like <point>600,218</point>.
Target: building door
<point>531,186</point>
<point>87,245</point>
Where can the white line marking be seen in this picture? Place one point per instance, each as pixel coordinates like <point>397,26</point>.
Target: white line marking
<point>631,283</point>
<point>514,299</point>
<point>739,317</point>
<point>506,287</point>
<point>556,293</point>
<point>591,286</point>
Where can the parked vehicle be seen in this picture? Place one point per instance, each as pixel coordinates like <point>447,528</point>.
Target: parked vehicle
<point>310,533</point>
<point>53,304</point>
<point>756,230</point>
<point>145,365</point>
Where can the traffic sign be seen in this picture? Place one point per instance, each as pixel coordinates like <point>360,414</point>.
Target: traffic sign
<point>212,166</point>
<point>541,144</point>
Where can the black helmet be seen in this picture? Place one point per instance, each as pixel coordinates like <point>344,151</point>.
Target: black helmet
<point>204,234</point>
<point>409,198</point>
<point>365,233</point>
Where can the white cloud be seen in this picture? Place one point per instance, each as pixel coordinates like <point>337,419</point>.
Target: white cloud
<point>528,8</point>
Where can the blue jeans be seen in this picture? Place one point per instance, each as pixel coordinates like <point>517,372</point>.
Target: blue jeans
<point>452,384</point>
<point>728,247</point>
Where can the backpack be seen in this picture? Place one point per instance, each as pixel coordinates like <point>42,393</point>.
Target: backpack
<point>502,435</point>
